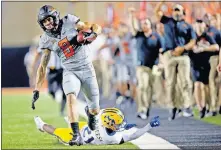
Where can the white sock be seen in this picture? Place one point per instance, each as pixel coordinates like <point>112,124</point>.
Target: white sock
<point>40,123</point>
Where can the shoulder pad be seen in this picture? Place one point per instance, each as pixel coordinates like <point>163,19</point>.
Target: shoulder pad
<point>71,18</point>
<point>44,38</point>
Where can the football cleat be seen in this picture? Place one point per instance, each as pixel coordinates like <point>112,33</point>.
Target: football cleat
<point>179,113</point>
<point>142,115</point>
<point>210,114</point>
<point>172,114</point>
<point>203,112</point>
<point>187,112</point>
<point>220,110</point>
<point>148,112</point>
<point>92,120</point>
<point>76,140</point>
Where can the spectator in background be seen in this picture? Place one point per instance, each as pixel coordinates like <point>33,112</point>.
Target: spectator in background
<point>105,65</point>
<point>161,94</point>
<point>211,30</point>
<point>179,38</point>
<point>219,72</point>
<point>149,44</point>
<point>127,60</point>
<point>113,43</point>
<point>200,56</point>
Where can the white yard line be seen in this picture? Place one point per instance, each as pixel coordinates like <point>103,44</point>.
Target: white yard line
<point>147,141</point>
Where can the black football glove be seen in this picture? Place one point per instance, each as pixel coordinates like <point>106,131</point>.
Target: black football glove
<point>35,98</point>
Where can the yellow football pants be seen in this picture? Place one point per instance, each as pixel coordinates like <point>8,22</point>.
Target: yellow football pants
<point>65,134</point>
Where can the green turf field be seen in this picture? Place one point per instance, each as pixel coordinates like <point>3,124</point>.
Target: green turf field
<point>19,130</point>
<point>213,120</point>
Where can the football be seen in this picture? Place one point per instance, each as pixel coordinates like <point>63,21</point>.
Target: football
<point>86,36</point>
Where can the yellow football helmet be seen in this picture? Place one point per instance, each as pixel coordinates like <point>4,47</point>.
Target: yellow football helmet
<point>113,118</point>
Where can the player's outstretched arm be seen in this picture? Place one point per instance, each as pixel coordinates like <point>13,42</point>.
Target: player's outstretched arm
<point>41,72</point>
<point>139,132</point>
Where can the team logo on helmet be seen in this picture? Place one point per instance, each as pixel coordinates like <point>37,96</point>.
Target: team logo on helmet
<point>112,118</point>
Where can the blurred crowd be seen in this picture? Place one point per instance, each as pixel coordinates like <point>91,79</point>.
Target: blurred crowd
<point>169,61</point>
<point>172,60</point>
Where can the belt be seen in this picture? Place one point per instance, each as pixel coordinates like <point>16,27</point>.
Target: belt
<point>53,70</point>
<point>167,49</point>
<point>52,67</point>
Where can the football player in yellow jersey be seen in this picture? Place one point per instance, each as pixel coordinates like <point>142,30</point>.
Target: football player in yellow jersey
<point>112,129</point>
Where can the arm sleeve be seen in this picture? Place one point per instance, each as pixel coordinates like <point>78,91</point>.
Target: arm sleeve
<point>210,39</point>
<point>192,33</point>
<point>44,43</point>
<point>41,46</point>
<point>39,50</point>
<point>133,133</point>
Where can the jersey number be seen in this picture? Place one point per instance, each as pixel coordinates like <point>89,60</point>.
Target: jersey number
<point>66,47</point>
<point>90,139</point>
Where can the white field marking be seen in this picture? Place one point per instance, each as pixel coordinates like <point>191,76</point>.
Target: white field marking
<point>147,141</point>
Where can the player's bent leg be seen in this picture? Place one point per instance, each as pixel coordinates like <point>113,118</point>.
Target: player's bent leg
<point>73,117</point>
<point>63,134</point>
<point>91,91</point>
<point>92,112</point>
